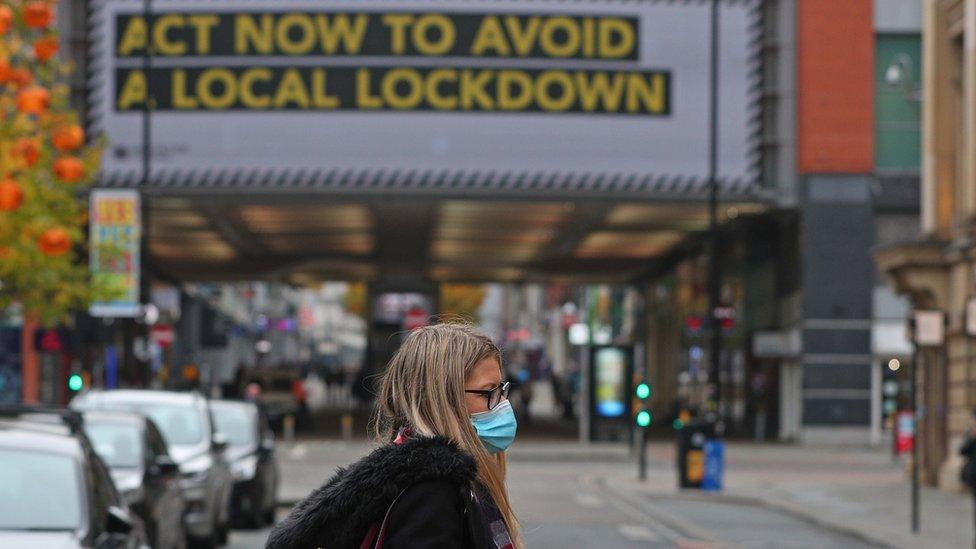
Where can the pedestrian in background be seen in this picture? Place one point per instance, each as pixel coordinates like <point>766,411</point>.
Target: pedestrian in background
<point>445,422</point>
<point>968,451</point>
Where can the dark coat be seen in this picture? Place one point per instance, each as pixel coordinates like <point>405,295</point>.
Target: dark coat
<point>435,508</point>
<point>968,451</point>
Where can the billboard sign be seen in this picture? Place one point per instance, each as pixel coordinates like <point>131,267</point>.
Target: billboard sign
<point>612,385</point>
<point>251,91</point>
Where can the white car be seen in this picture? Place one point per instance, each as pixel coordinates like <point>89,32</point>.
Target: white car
<point>192,441</point>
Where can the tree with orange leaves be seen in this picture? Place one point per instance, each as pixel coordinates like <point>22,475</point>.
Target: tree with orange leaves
<point>45,167</point>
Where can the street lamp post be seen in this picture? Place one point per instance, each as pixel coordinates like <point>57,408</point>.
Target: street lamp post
<point>714,271</point>
<point>914,405</point>
<point>144,287</point>
<point>928,331</point>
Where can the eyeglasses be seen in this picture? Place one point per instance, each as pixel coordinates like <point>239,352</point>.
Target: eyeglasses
<point>495,395</point>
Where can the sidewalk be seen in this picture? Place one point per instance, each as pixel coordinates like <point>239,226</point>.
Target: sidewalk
<point>854,490</point>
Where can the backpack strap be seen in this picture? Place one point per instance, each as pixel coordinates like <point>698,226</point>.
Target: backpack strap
<point>383,526</point>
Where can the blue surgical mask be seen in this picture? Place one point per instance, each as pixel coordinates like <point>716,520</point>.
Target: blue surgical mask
<point>496,427</point>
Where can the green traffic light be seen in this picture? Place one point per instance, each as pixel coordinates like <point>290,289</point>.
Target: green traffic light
<point>643,418</point>
<point>75,382</point>
<point>677,424</point>
<point>643,391</point>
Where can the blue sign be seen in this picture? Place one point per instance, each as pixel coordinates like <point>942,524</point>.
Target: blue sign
<point>111,368</point>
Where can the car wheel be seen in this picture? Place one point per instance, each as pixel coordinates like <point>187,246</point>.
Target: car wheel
<point>180,542</point>
<point>223,534</point>
<point>251,520</point>
<point>209,542</point>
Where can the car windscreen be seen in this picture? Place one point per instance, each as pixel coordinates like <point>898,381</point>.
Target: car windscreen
<point>39,491</point>
<point>181,425</point>
<point>237,423</point>
<point>118,444</point>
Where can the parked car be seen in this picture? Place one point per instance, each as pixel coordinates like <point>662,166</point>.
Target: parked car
<point>132,447</point>
<point>187,427</point>
<point>252,461</point>
<point>55,492</point>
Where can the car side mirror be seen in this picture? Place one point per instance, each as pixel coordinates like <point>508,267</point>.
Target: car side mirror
<point>118,521</point>
<point>220,442</point>
<point>267,446</point>
<point>165,466</point>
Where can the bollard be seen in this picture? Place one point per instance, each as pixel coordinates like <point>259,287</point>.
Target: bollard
<point>346,426</point>
<point>288,424</point>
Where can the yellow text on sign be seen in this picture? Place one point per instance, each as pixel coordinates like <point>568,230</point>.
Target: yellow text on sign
<point>429,34</point>
<point>401,88</point>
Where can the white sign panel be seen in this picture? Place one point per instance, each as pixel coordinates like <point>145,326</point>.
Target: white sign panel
<point>929,328</point>
<point>286,90</point>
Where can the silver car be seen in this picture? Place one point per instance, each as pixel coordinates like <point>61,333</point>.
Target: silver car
<point>187,426</point>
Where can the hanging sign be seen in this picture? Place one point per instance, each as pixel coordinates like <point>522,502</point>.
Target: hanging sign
<point>116,229</point>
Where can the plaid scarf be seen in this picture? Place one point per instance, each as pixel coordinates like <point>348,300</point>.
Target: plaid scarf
<point>494,523</point>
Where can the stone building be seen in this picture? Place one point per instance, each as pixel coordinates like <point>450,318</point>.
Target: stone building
<point>937,270</point>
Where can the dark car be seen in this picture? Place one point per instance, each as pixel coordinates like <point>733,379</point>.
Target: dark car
<point>55,492</point>
<point>147,477</point>
<point>187,427</point>
<point>252,461</point>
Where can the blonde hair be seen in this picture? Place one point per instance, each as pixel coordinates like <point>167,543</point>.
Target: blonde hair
<point>423,389</point>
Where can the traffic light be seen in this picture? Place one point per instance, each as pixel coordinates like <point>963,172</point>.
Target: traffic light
<point>643,418</point>
<point>76,382</point>
<point>643,392</point>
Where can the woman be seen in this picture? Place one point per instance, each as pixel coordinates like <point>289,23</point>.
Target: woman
<point>439,481</point>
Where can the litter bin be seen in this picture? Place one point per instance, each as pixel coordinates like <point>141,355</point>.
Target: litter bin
<point>691,452</point>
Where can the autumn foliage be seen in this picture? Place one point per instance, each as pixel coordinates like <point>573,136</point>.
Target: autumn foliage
<point>45,167</point>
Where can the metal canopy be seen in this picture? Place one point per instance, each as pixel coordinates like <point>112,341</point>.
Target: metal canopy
<point>305,238</point>
<point>536,185</point>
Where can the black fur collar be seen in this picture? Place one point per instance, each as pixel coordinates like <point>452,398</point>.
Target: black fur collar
<point>338,514</point>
